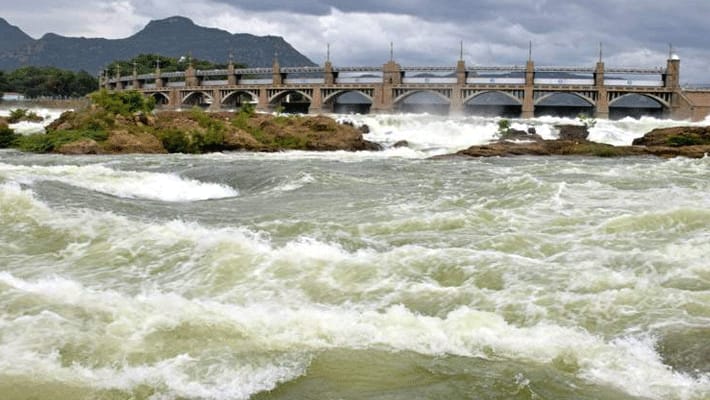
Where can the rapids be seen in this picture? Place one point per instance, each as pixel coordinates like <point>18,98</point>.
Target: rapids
<point>371,275</point>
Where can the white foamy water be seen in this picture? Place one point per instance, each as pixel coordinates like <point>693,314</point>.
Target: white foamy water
<point>369,272</point>
<point>28,128</point>
<point>433,135</point>
<point>126,184</point>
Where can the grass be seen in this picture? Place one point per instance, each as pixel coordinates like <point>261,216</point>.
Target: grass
<point>45,143</point>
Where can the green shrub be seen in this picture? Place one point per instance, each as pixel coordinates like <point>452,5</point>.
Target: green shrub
<point>175,141</point>
<point>290,142</point>
<point>123,103</point>
<point>8,137</point>
<point>586,120</point>
<point>684,140</point>
<point>38,143</point>
<point>503,127</point>
<point>247,108</point>
<point>23,114</point>
<point>45,143</point>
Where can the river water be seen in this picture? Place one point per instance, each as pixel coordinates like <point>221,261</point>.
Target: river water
<point>373,275</point>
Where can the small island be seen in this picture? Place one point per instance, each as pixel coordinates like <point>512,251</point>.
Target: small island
<point>124,122</point>
<point>691,142</point>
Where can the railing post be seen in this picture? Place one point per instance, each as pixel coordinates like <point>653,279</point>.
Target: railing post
<point>329,76</point>
<point>231,77</point>
<point>276,77</point>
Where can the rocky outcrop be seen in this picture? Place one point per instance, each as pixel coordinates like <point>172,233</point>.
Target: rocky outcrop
<point>124,142</point>
<point>572,132</point>
<point>400,143</point>
<point>518,135</point>
<point>196,131</point>
<point>676,137</point>
<point>84,146</point>
<point>691,142</point>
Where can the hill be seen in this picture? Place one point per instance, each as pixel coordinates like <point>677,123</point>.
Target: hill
<point>174,37</point>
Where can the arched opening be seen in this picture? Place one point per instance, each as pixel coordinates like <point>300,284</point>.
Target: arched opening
<point>566,105</point>
<point>493,104</point>
<point>351,102</point>
<point>197,99</point>
<point>291,102</point>
<point>423,102</point>
<point>161,99</point>
<point>635,106</point>
<point>235,100</point>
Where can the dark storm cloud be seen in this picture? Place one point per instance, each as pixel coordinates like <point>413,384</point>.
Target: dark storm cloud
<point>563,32</point>
<point>649,22</point>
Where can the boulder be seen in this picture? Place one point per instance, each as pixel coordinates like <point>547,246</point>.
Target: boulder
<point>123,142</point>
<point>401,143</point>
<point>679,136</point>
<point>515,134</point>
<point>572,132</point>
<point>84,146</point>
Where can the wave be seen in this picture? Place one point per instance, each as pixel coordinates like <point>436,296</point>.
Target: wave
<point>119,183</point>
<point>29,128</point>
<point>270,342</point>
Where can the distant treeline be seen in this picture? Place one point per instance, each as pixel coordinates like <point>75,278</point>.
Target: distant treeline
<point>34,82</point>
<point>147,63</point>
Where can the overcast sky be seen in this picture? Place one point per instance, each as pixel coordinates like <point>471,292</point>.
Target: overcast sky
<point>424,32</point>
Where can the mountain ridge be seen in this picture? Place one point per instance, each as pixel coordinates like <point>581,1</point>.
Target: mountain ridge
<point>174,36</point>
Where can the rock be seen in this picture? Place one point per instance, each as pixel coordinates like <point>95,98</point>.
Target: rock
<point>532,130</point>
<point>240,140</point>
<point>514,134</point>
<point>63,123</point>
<point>572,132</point>
<point>581,148</point>
<point>123,142</point>
<point>84,146</point>
<point>401,143</point>
<point>676,137</point>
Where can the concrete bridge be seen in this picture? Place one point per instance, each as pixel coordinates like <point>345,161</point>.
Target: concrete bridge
<point>524,91</point>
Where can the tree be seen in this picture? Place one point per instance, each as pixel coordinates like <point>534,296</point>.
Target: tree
<point>123,103</point>
<point>146,64</point>
<point>49,81</point>
<point>3,84</point>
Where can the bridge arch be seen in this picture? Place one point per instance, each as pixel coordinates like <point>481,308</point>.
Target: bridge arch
<point>333,96</point>
<point>349,101</point>
<point>549,98</point>
<point>564,104</point>
<point>236,98</point>
<point>638,105</point>
<point>412,93</point>
<point>197,98</point>
<point>493,103</point>
<point>489,94</point>
<point>422,100</point>
<point>291,101</point>
<point>161,99</point>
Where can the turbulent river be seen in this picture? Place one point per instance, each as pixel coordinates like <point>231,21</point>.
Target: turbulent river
<point>373,275</point>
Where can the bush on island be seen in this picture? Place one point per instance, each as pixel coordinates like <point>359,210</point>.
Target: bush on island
<point>124,103</point>
<point>8,137</point>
